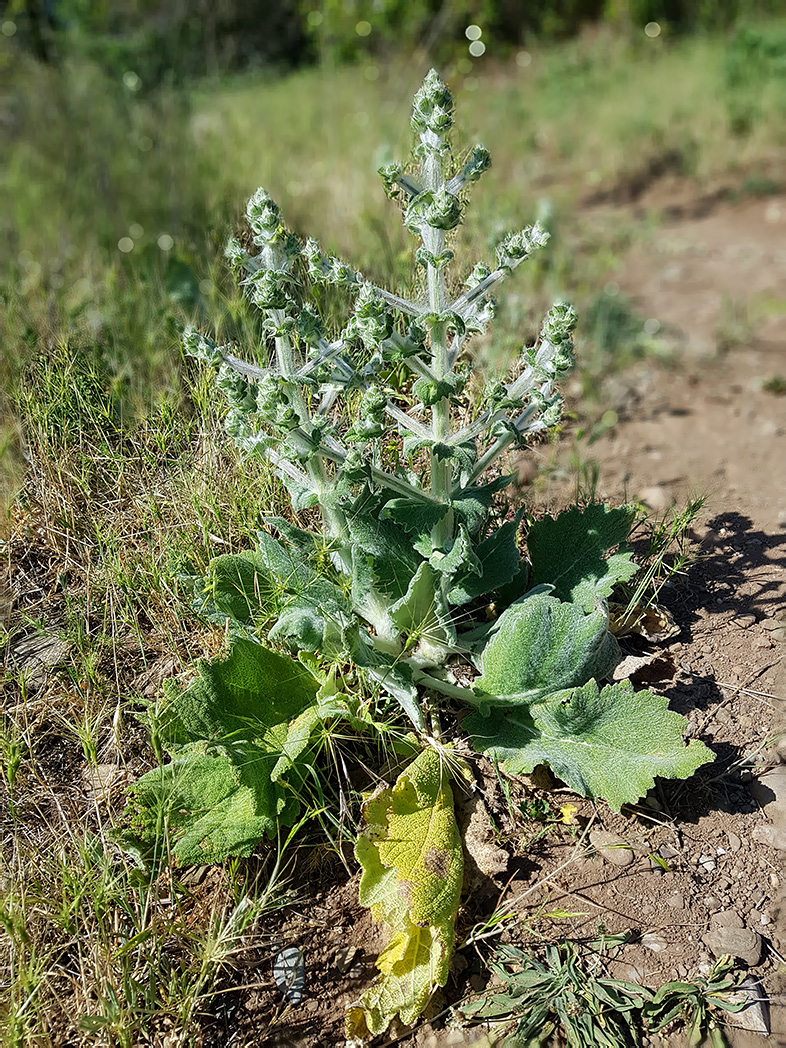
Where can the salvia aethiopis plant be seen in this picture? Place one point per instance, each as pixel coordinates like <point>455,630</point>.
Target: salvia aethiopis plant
<point>396,585</point>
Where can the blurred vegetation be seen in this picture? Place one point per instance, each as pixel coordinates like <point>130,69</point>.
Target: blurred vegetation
<point>754,74</point>
<point>190,39</point>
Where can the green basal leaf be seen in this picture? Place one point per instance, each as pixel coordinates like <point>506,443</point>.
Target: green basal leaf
<point>239,737</point>
<point>412,863</point>
<point>300,627</point>
<point>608,743</point>
<point>284,563</point>
<point>389,552</point>
<point>499,562</point>
<point>418,519</point>
<point>569,552</point>
<point>472,505</point>
<point>307,543</point>
<point>243,589</point>
<point>300,496</point>
<point>540,645</point>
<point>460,558</point>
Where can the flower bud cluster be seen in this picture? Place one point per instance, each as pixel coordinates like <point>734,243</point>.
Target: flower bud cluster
<point>264,217</point>
<point>372,321</point>
<point>518,246</point>
<point>432,108</point>
<point>479,161</point>
<point>324,270</point>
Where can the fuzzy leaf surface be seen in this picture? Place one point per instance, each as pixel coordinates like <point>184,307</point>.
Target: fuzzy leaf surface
<point>242,587</point>
<point>608,743</point>
<point>421,615</point>
<point>238,737</point>
<point>418,519</point>
<point>388,552</point>
<point>541,645</point>
<point>569,550</point>
<point>412,863</point>
<point>499,561</point>
<point>473,504</point>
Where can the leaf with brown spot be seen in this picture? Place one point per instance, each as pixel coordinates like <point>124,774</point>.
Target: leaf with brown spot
<point>412,873</point>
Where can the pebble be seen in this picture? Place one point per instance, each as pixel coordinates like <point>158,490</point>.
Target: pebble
<point>776,626</point>
<point>676,902</point>
<point>726,919</point>
<point>734,842</point>
<point>739,942</point>
<point>770,835</point>
<point>654,497</point>
<point>711,902</point>
<point>762,643</point>
<point>344,957</point>
<point>667,852</point>
<point>612,847</point>
<point>770,786</point>
<point>707,863</point>
<point>655,942</point>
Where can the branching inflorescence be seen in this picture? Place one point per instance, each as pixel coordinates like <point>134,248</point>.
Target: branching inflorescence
<point>328,453</point>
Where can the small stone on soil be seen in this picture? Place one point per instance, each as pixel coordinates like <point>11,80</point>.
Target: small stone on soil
<point>762,643</point>
<point>726,919</point>
<point>771,836</point>
<point>739,942</point>
<point>344,957</point>
<point>612,847</point>
<point>770,786</point>
<point>653,941</point>
<point>755,1015</point>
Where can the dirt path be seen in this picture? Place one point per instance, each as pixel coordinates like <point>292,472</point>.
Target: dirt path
<point>709,426</point>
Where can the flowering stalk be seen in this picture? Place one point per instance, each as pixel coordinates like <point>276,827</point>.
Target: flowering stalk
<point>322,408</point>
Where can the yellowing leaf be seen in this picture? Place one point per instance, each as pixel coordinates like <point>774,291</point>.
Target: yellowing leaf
<point>412,871</point>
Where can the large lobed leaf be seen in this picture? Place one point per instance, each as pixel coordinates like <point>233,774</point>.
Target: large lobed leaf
<point>239,737</point>
<point>608,743</point>
<point>541,645</point>
<point>569,552</point>
<point>412,863</point>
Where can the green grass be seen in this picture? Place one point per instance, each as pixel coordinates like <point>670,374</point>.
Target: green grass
<point>114,468</point>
